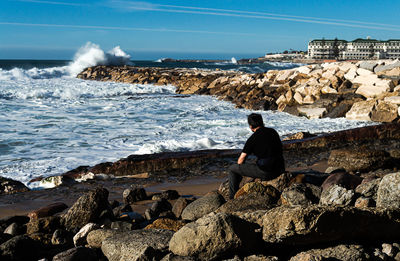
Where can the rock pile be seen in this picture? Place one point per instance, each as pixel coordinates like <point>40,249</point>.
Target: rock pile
<point>350,214</point>
<point>367,90</point>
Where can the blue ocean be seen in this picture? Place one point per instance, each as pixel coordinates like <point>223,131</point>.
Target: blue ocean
<point>52,122</point>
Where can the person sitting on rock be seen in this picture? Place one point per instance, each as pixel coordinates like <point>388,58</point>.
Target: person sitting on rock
<point>266,145</point>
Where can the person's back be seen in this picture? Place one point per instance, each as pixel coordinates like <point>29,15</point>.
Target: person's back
<point>266,145</point>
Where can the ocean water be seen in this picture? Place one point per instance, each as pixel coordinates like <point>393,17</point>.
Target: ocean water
<point>51,122</point>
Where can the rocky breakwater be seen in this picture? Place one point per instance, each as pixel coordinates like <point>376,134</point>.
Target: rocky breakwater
<point>366,90</point>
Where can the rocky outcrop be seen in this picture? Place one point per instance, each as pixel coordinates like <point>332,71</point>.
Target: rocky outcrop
<point>314,91</point>
<point>9,186</point>
<point>203,206</point>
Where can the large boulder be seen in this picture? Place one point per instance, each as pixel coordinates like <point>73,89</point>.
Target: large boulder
<point>322,224</point>
<point>361,111</point>
<point>87,209</point>
<point>388,195</point>
<point>337,195</point>
<point>203,206</point>
<point>372,91</point>
<point>340,252</point>
<point>20,248</point>
<point>385,112</point>
<point>131,195</point>
<point>10,186</point>
<point>149,244</point>
<point>302,194</point>
<point>361,160</point>
<point>179,205</point>
<point>214,236</point>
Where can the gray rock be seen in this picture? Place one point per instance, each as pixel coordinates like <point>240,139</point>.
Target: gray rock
<point>78,253</point>
<point>369,189</point>
<point>389,191</point>
<point>337,195</point>
<point>80,237</point>
<point>87,209</point>
<point>322,224</point>
<point>20,248</point>
<point>214,236</point>
<point>132,195</point>
<point>302,194</point>
<point>96,237</point>
<point>137,245</point>
<point>203,206</point>
<point>368,65</point>
<point>385,67</point>
<point>340,252</point>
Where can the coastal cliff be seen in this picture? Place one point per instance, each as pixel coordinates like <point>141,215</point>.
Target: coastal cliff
<point>366,90</point>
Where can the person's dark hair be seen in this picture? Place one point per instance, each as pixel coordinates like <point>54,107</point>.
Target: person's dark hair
<point>255,120</point>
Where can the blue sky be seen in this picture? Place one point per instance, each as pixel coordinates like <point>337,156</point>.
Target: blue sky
<point>55,29</point>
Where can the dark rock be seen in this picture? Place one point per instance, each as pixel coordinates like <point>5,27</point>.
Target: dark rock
<point>4,237</point>
<point>48,210</point>
<point>362,160</point>
<point>9,186</point>
<point>62,237</point>
<point>168,194</point>
<point>121,226</point>
<point>180,205</point>
<point>117,211</point>
<point>385,112</point>
<point>340,110</point>
<point>340,252</point>
<point>281,182</point>
<point>215,236</point>
<point>19,248</point>
<point>157,208</point>
<point>5,222</point>
<point>43,225</point>
<point>132,195</point>
<point>15,229</point>
<point>172,257</point>
<point>78,253</point>
<point>319,224</point>
<point>43,238</point>
<point>87,209</point>
<point>250,202</point>
<point>149,244</point>
<point>344,180</point>
<point>203,206</point>
<point>301,195</point>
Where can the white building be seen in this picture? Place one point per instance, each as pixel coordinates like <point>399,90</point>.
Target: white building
<point>359,49</point>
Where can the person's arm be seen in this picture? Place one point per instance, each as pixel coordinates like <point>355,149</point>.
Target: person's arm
<point>242,158</point>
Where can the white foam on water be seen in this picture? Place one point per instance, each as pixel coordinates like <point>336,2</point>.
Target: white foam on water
<point>52,122</point>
